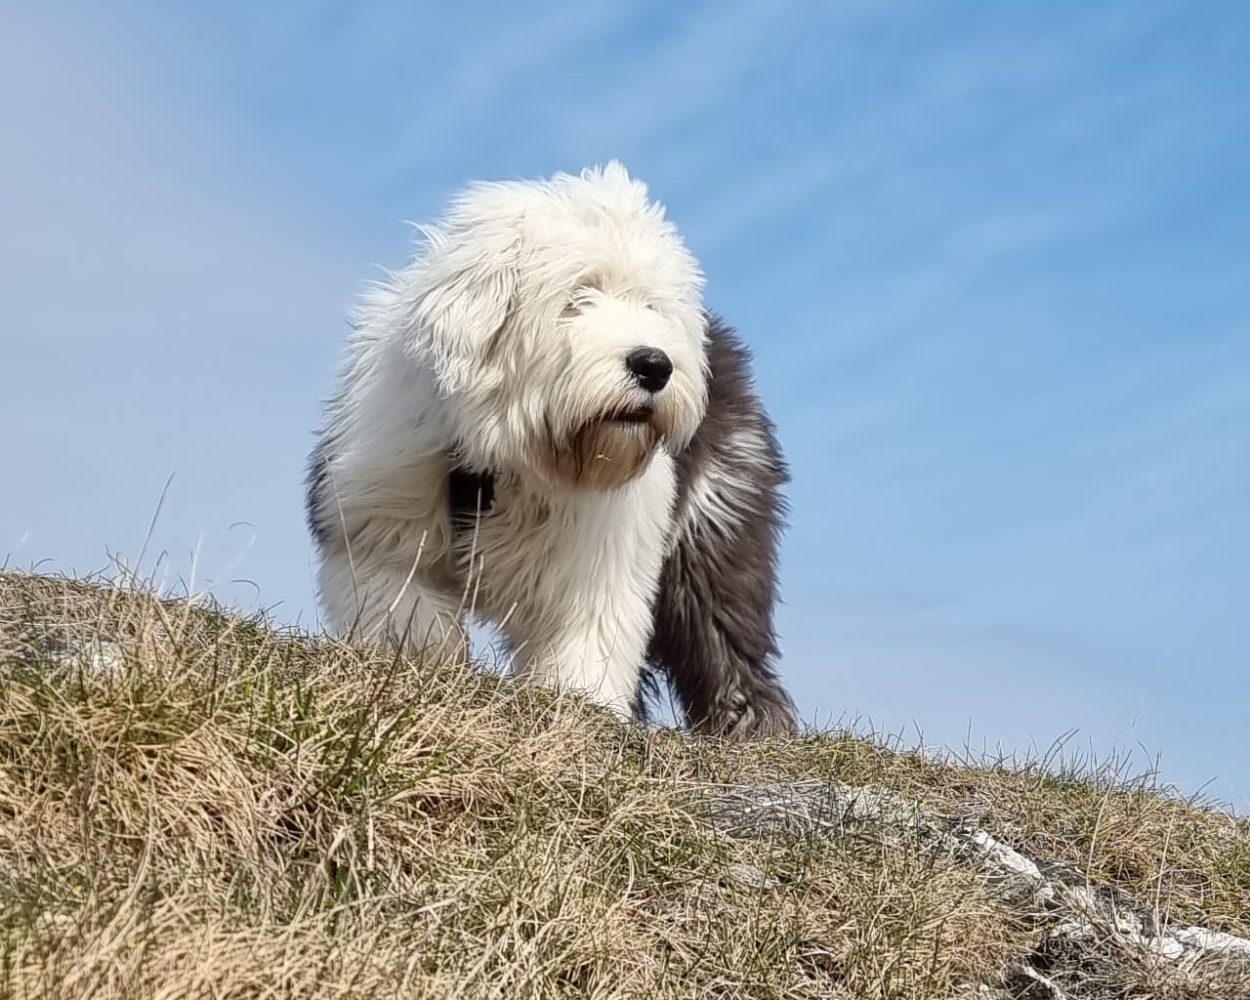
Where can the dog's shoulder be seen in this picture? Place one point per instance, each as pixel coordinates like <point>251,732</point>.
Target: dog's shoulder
<point>736,431</point>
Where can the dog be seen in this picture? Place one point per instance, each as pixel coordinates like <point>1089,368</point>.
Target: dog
<point>539,425</point>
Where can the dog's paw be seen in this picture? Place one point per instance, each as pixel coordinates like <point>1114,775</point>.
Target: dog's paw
<point>761,714</point>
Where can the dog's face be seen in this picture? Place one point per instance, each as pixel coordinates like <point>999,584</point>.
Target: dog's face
<point>563,323</point>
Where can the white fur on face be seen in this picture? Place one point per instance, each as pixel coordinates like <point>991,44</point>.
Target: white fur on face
<point>523,304</point>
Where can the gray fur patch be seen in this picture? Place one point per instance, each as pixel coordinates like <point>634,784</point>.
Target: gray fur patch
<point>714,640</point>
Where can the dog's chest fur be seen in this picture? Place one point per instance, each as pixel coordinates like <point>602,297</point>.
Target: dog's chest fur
<point>520,554</point>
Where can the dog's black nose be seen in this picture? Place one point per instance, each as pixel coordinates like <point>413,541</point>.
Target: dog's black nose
<point>651,368</point>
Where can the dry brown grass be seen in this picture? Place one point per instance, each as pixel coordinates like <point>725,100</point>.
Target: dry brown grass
<point>193,804</point>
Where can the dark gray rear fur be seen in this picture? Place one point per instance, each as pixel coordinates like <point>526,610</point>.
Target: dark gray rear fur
<point>714,639</point>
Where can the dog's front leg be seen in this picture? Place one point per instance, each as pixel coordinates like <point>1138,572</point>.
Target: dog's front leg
<point>586,625</point>
<point>597,649</point>
<point>383,605</point>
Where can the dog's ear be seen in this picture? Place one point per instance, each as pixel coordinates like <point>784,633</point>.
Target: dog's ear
<point>464,302</point>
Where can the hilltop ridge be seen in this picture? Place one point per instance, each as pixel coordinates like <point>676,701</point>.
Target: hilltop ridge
<point>195,803</point>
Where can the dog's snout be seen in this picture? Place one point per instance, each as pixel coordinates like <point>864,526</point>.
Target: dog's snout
<point>650,367</point>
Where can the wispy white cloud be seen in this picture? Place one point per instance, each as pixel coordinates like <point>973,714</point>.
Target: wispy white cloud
<point>740,201</point>
<point>471,95</point>
<point>687,69</point>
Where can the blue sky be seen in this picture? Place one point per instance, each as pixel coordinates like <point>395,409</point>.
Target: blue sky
<point>993,259</point>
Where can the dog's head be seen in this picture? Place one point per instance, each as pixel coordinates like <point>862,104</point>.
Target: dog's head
<point>562,321</point>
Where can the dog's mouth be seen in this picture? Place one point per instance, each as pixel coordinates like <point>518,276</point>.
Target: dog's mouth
<point>610,449</point>
<point>634,415</point>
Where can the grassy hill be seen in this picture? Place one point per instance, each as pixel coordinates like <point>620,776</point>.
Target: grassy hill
<point>195,804</point>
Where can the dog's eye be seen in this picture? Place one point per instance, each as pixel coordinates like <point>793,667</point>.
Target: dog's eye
<point>580,297</point>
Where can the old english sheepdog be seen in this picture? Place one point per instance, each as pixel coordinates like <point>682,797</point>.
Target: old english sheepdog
<point>539,426</point>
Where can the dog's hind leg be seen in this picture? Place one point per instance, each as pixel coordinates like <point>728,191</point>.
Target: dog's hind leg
<point>714,639</point>
<point>713,634</point>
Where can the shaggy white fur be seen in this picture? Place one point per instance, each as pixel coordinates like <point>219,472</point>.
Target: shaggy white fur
<point>502,348</point>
